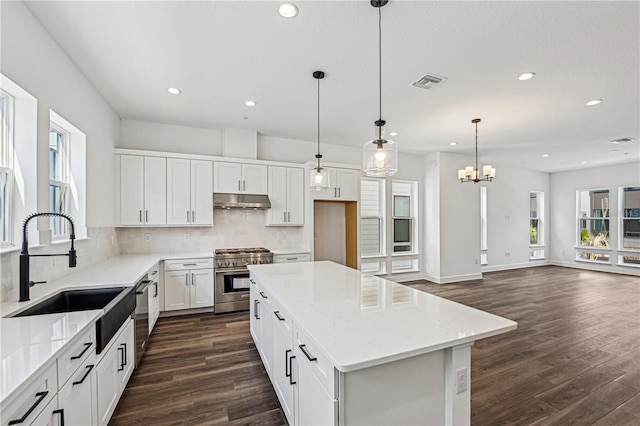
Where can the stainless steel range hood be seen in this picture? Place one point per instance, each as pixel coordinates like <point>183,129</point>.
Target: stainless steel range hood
<point>240,201</point>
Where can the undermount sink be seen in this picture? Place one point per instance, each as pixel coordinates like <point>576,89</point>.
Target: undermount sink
<point>118,304</point>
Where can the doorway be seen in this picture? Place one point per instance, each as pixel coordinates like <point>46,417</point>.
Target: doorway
<point>335,231</point>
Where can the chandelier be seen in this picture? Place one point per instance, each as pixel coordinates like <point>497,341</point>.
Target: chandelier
<point>471,174</point>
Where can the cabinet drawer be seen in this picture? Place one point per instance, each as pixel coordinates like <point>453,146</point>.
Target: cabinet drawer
<point>154,273</point>
<point>308,353</point>
<point>284,258</point>
<point>35,396</point>
<point>178,264</point>
<point>282,320</point>
<point>74,356</point>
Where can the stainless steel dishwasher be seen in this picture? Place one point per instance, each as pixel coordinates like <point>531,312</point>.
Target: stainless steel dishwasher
<point>142,316</point>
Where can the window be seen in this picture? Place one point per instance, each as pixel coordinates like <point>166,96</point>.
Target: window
<point>630,217</point>
<point>58,179</point>
<point>536,224</point>
<point>371,217</point>
<point>483,226</point>
<point>6,168</point>
<point>593,224</point>
<point>403,217</point>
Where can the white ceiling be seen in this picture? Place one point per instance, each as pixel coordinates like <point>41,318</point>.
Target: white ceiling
<point>222,53</point>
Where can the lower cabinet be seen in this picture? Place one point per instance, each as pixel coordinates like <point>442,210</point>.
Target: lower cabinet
<point>302,378</point>
<point>76,398</point>
<point>154,296</point>
<point>188,284</point>
<point>113,372</point>
<point>293,257</point>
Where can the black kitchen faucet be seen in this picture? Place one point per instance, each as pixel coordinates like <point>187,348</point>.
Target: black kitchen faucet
<point>24,254</point>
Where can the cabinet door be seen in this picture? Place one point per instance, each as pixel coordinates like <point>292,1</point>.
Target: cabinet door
<point>201,288</point>
<point>178,191</point>
<point>227,177</point>
<point>277,214</point>
<point>282,363</point>
<point>254,314</point>
<point>254,179</point>
<point>348,184</point>
<point>154,305</point>
<point>131,189</point>
<point>127,352</point>
<point>155,191</point>
<point>176,290</point>
<point>314,405</point>
<point>201,192</point>
<point>295,196</point>
<point>51,416</point>
<point>107,385</point>
<point>77,395</point>
<point>330,193</point>
<point>266,331</point>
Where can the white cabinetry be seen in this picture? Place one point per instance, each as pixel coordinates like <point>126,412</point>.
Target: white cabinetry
<point>154,296</point>
<point>239,178</point>
<point>286,192</point>
<point>188,283</point>
<point>113,371</point>
<point>189,192</point>
<point>292,257</point>
<point>345,184</point>
<point>260,324</point>
<point>143,190</point>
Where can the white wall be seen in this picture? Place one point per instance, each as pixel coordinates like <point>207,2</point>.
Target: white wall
<point>563,233</point>
<point>33,60</point>
<point>508,206</point>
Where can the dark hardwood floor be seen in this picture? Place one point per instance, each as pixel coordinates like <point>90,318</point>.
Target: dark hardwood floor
<point>574,359</point>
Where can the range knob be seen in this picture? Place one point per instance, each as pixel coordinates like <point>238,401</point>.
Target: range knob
<point>261,261</point>
<point>226,263</point>
<point>254,261</point>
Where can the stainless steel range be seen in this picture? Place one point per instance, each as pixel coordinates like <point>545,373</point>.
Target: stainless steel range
<point>232,276</point>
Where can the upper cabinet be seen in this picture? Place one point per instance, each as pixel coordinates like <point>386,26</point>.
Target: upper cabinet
<point>189,192</point>
<point>344,185</point>
<point>239,178</point>
<point>286,192</point>
<point>143,190</point>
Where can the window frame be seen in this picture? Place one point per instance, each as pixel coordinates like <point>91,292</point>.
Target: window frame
<point>380,217</point>
<point>412,244</point>
<point>623,217</point>
<point>6,167</point>
<point>590,253</point>
<point>58,225</point>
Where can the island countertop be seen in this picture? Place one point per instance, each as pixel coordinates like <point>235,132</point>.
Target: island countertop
<point>360,320</point>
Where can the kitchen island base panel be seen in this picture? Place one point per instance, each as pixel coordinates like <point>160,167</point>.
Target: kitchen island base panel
<point>407,392</point>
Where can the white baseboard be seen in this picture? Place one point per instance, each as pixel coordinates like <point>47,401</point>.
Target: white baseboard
<point>614,269</point>
<point>530,264</point>
<point>453,278</point>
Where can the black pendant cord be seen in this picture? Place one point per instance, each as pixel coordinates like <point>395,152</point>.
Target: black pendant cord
<point>477,172</point>
<point>318,156</point>
<point>380,71</point>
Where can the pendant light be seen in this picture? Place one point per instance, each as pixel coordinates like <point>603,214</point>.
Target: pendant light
<point>471,174</point>
<point>318,176</point>
<point>380,155</point>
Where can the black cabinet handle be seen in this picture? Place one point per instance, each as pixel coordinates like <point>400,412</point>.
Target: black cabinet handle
<point>156,293</point>
<point>252,281</point>
<point>256,303</point>
<point>121,364</point>
<point>124,352</point>
<point>291,382</point>
<point>61,412</point>
<point>286,363</point>
<point>263,296</point>
<point>41,396</point>
<point>79,382</point>
<point>277,314</point>
<point>306,353</point>
<point>86,348</point>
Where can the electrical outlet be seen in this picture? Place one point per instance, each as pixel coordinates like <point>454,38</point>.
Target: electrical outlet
<point>147,237</point>
<point>186,237</point>
<point>461,380</point>
<point>475,261</point>
<point>507,254</point>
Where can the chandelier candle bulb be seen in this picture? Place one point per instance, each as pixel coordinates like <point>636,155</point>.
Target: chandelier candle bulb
<point>486,170</point>
<point>468,171</point>
<point>461,174</point>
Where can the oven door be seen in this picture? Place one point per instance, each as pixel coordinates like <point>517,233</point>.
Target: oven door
<point>232,290</point>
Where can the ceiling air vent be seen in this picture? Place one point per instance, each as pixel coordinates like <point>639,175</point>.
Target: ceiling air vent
<point>621,140</point>
<point>428,81</point>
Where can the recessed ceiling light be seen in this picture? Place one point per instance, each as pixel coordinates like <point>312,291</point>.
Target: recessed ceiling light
<point>526,76</point>
<point>545,155</point>
<point>621,140</point>
<point>453,143</point>
<point>393,134</point>
<point>288,10</point>
<point>615,150</point>
<point>250,103</point>
<point>594,102</point>
<point>584,162</point>
<point>174,91</point>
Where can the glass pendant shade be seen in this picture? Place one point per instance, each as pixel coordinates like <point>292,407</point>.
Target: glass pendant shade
<point>319,178</point>
<point>380,158</point>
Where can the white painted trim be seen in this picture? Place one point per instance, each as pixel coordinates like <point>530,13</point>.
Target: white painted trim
<point>530,264</point>
<point>595,267</point>
<point>453,278</point>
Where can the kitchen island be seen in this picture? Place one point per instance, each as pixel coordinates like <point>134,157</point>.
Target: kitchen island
<point>343,347</point>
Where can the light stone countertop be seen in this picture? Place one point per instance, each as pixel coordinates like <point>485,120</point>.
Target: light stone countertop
<point>360,320</point>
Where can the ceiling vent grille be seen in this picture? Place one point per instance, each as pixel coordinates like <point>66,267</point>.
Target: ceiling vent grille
<point>621,140</point>
<point>428,81</point>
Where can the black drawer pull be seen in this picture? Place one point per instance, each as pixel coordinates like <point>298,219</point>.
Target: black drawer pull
<point>124,352</point>
<point>263,296</point>
<point>121,364</point>
<point>277,314</point>
<point>291,382</point>
<point>61,412</point>
<point>287,373</point>
<point>307,354</point>
<point>86,348</point>
<point>41,396</point>
<point>252,281</point>
<point>79,382</point>
<point>256,306</point>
